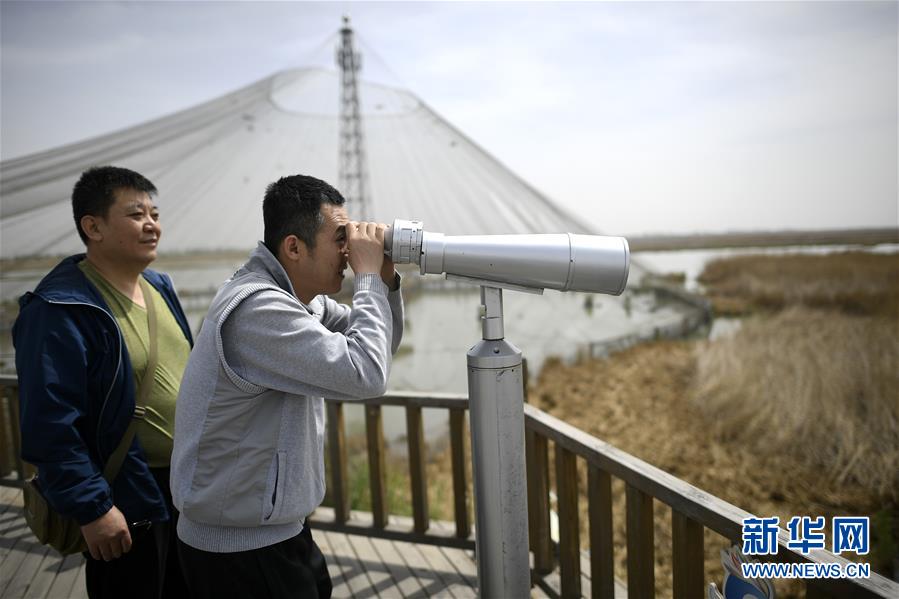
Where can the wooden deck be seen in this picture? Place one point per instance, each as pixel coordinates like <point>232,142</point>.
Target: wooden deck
<point>360,566</point>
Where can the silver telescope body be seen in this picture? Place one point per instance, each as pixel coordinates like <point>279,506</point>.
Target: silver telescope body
<point>565,262</point>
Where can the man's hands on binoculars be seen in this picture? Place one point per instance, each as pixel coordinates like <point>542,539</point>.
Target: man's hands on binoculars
<point>365,251</point>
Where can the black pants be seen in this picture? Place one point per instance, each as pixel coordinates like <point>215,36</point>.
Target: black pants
<point>151,569</point>
<point>291,568</point>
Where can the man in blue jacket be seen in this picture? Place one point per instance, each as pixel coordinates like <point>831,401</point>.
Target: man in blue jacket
<point>82,340</point>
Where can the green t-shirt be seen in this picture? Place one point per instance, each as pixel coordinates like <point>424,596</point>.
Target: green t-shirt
<point>156,431</point>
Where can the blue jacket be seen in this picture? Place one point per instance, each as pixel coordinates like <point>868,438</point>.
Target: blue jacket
<point>76,396</point>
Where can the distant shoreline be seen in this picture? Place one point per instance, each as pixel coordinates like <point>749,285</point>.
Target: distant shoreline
<point>640,243</point>
<point>709,241</point>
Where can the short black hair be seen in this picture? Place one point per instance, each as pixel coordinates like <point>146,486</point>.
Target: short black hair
<point>292,206</point>
<point>94,192</point>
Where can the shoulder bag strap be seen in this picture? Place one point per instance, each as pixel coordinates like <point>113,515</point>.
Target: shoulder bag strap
<point>118,456</point>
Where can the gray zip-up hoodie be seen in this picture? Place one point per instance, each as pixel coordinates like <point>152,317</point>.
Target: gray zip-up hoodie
<point>248,464</point>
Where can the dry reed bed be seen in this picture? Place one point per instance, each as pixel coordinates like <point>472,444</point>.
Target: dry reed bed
<point>817,385</point>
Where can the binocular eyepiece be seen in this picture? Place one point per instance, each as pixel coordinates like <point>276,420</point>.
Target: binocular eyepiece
<point>565,262</point>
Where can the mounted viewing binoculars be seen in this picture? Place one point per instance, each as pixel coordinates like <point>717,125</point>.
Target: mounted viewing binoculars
<point>565,262</point>
<point>531,263</point>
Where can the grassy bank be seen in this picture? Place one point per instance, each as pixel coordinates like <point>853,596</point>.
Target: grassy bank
<point>852,283</point>
<point>814,370</point>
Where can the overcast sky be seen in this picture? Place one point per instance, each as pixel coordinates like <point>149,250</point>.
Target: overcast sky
<point>643,117</point>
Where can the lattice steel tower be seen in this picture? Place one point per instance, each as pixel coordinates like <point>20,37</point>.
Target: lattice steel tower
<point>353,177</point>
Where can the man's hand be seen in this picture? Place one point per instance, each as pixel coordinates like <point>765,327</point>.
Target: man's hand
<point>388,273</point>
<point>108,536</point>
<point>365,245</point>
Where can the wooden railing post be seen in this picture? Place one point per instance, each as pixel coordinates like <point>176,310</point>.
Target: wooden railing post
<point>374,428</point>
<point>6,449</point>
<point>460,484</point>
<point>537,456</point>
<point>602,549</point>
<point>337,453</point>
<point>640,559</point>
<point>569,528</point>
<point>417,474</point>
<point>688,556</point>
<point>23,470</point>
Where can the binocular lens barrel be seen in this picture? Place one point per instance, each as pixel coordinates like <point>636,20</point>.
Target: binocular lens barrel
<point>565,262</point>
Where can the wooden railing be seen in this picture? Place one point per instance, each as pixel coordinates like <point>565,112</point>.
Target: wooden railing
<point>693,510</point>
<point>374,430</point>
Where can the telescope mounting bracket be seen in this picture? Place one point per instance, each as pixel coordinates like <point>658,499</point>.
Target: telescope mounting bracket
<point>494,284</point>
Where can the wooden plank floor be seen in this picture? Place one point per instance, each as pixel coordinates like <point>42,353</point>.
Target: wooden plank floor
<point>359,566</point>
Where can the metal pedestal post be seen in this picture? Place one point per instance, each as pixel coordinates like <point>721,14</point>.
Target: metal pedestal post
<point>496,405</point>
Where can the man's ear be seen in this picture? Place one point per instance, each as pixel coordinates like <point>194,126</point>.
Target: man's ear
<point>90,226</point>
<point>293,248</point>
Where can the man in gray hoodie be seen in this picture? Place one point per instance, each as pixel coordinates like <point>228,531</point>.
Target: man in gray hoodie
<point>247,465</point>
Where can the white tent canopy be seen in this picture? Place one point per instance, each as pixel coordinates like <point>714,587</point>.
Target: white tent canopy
<point>212,163</point>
